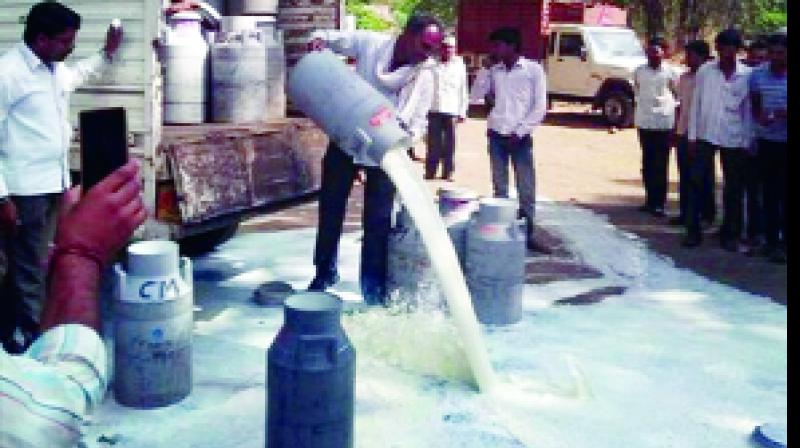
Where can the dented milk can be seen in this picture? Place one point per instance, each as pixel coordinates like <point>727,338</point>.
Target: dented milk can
<point>310,376</point>
<point>153,326</point>
<point>495,262</point>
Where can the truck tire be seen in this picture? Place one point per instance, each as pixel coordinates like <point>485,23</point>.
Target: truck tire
<point>202,243</point>
<point>618,109</point>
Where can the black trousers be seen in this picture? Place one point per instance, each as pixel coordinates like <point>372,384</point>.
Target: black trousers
<point>774,166</point>
<point>338,173</point>
<point>655,163</point>
<point>734,168</point>
<point>701,204</point>
<point>753,196</point>
<point>441,144</point>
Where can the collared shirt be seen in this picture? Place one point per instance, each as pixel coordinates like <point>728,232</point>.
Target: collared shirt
<point>685,94</point>
<point>773,93</point>
<point>35,131</point>
<point>520,97</point>
<point>720,112</point>
<point>46,393</point>
<point>655,102</point>
<point>452,95</point>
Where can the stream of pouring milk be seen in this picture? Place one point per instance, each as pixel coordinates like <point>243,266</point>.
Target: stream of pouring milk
<point>509,400</point>
<point>420,205</point>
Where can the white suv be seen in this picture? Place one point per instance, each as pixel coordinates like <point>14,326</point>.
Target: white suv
<point>594,64</point>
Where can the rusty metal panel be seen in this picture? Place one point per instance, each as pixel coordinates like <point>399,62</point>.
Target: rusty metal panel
<point>211,179</point>
<point>272,167</point>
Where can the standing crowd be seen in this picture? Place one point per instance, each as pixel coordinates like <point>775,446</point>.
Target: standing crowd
<point>727,106</point>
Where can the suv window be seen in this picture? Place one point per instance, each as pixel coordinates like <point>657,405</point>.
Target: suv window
<point>570,45</point>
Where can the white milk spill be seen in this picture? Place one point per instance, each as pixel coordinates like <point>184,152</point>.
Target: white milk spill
<point>444,260</point>
<point>677,360</point>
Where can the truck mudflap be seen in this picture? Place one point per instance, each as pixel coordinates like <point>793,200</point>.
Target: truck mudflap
<point>223,170</point>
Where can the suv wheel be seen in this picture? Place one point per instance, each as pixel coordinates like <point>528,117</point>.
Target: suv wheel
<point>618,109</point>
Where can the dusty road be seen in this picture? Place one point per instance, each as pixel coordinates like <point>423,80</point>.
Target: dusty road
<point>579,162</point>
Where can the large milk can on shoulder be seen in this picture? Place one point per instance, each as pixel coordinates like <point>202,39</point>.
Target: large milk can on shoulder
<point>495,261</point>
<point>185,57</point>
<point>239,78</point>
<point>354,114</point>
<point>153,325</point>
<point>310,376</point>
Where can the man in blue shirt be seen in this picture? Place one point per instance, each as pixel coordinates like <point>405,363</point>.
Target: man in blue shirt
<point>768,94</point>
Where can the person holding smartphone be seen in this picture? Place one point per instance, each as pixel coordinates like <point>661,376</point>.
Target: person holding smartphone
<point>35,86</point>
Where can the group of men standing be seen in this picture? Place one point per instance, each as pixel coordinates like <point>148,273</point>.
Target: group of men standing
<point>720,106</point>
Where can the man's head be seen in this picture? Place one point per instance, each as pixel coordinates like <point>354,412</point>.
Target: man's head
<point>697,53</point>
<point>423,36</point>
<point>776,51</point>
<point>50,31</point>
<point>448,48</point>
<point>757,52</point>
<point>728,43</point>
<point>506,44</point>
<point>656,51</point>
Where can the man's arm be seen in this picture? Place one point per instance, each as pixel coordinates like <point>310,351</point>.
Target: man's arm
<point>695,109</point>
<point>481,86</point>
<point>413,111</point>
<point>538,107</point>
<point>346,43</point>
<point>88,235</point>
<point>464,92</point>
<point>8,212</point>
<point>89,68</point>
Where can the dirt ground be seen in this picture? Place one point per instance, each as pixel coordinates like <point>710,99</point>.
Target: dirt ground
<point>578,161</point>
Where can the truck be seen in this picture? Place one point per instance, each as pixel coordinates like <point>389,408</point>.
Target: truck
<point>587,52</point>
<point>200,181</point>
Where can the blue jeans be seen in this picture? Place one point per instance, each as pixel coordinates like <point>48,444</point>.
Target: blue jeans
<point>338,173</point>
<point>519,151</point>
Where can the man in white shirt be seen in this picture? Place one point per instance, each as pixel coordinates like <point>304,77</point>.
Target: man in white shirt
<point>518,88</point>
<point>47,392</point>
<point>391,65</point>
<point>654,85</point>
<point>720,119</point>
<point>449,107</point>
<point>35,133</point>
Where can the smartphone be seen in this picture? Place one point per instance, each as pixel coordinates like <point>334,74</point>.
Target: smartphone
<point>104,143</point>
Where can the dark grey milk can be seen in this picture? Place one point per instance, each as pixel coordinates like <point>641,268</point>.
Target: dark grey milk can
<point>310,376</point>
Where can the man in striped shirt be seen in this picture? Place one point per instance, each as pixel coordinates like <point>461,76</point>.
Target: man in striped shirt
<point>46,393</point>
<point>768,93</point>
